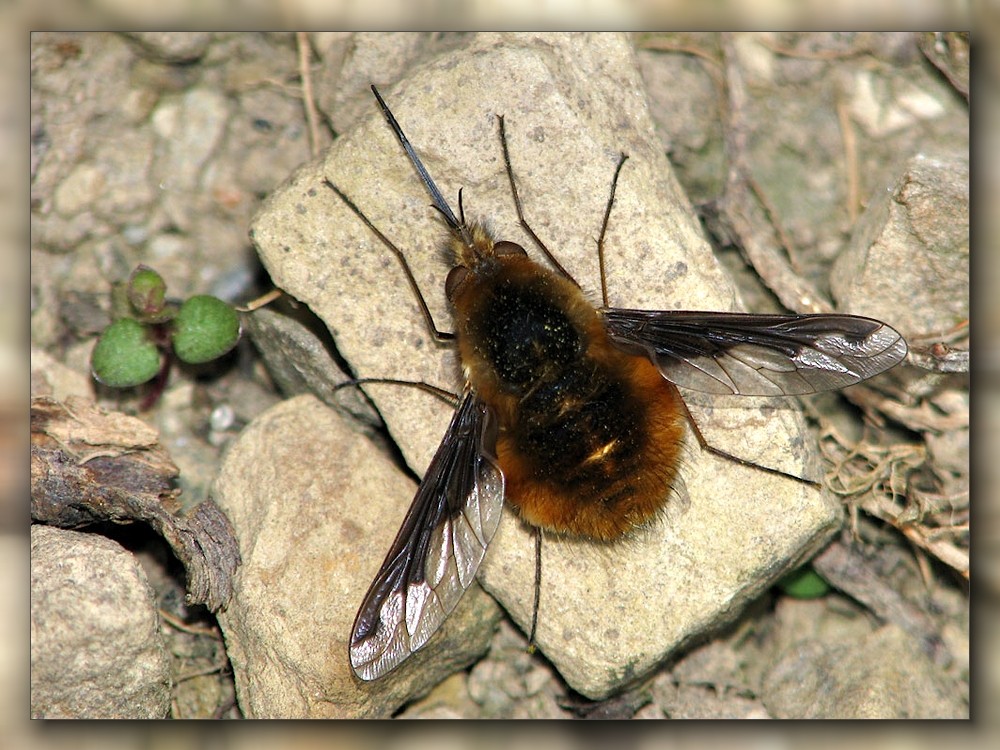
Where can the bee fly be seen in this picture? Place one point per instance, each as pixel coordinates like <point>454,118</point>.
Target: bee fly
<point>569,413</point>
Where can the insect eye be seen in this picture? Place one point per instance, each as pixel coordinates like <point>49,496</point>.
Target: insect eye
<point>456,276</point>
<point>505,247</point>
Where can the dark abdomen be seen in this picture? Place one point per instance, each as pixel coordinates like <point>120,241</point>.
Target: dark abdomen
<point>589,435</point>
<point>597,466</point>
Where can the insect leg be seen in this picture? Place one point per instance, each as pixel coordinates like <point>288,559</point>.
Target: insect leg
<point>538,587</point>
<point>705,446</point>
<point>428,318</point>
<point>520,212</point>
<point>445,395</point>
<point>604,227</point>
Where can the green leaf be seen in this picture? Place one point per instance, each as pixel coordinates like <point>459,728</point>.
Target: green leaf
<point>146,292</point>
<point>124,356</point>
<point>804,583</point>
<point>205,328</point>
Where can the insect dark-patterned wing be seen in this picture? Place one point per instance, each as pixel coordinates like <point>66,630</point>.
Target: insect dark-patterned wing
<point>439,547</point>
<point>758,355</point>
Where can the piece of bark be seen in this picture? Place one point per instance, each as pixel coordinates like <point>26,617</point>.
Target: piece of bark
<point>90,466</point>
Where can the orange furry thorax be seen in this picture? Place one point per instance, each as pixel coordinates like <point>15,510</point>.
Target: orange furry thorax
<point>589,435</point>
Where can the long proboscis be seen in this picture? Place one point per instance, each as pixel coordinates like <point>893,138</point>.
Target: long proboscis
<point>439,202</point>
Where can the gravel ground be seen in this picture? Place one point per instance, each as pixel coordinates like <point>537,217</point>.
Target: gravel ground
<point>159,148</point>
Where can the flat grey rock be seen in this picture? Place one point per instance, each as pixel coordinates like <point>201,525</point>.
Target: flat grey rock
<point>908,259</point>
<point>315,507</point>
<point>611,613</point>
<point>96,647</point>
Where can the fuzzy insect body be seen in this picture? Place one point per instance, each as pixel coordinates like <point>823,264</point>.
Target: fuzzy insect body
<point>570,413</point>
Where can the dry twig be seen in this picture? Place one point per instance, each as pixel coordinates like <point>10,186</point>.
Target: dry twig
<point>308,100</point>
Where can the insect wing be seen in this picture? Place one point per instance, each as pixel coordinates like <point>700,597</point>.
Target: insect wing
<point>439,547</point>
<point>758,355</point>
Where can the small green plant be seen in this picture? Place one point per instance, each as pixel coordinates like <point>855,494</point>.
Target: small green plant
<point>148,331</point>
<point>804,583</point>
